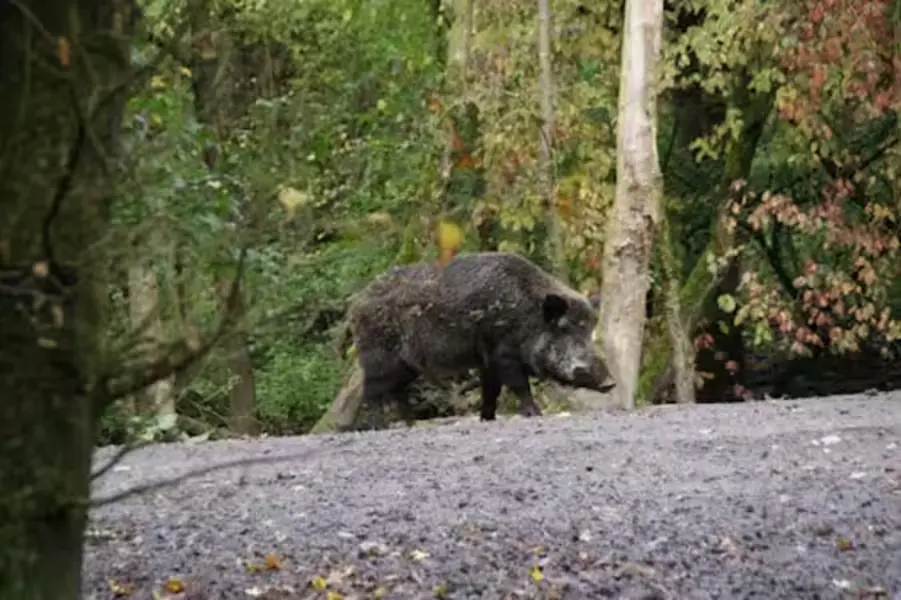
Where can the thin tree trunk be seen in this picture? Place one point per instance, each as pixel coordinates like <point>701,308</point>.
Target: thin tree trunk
<point>683,353</point>
<point>55,184</point>
<point>554,238</point>
<point>216,104</point>
<point>636,209</point>
<point>143,297</point>
<point>242,395</point>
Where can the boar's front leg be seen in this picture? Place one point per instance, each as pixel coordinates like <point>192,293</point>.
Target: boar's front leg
<point>514,375</point>
<point>387,389</point>
<point>490,381</point>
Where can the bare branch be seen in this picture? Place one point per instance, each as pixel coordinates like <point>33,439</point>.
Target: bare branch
<point>180,355</point>
<point>157,485</point>
<point>65,180</point>
<point>117,458</point>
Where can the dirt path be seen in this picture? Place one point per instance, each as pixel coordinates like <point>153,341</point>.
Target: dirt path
<point>797,499</point>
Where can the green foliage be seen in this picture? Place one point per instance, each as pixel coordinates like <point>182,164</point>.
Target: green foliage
<point>338,116</point>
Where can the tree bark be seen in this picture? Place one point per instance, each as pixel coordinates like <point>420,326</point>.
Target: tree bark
<point>701,287</point>
<point>554,239</point>
<point>680,340</point>
<point>242,395</point>
<point>217,104</point>
<point>55,182</point>
<point>636,208</point>
<point>143,300</point>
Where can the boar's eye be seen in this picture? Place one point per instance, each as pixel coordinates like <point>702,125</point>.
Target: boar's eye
<point>553,308</point>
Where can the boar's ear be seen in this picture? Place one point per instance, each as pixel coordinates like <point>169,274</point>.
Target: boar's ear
<point>554,307</point>
<point>595,301</point>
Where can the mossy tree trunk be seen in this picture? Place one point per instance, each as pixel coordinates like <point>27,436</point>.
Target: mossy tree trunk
<point>61,64</point>
<point>702,287</point>
<point>217,78</point>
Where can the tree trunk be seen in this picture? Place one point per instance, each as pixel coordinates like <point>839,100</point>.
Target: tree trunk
<point>680,338</point>
<point>143,300</point>
<point>217,104</point>
<point>636,208</point>
<point>55,186</point>
<point>698,294</point>
<point>553,236</point>
<point>242,395</point>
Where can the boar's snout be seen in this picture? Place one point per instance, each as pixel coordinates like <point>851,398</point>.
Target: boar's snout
<point>594,377</point>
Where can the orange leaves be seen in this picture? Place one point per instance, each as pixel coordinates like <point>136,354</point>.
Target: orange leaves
<point>63,51</point>
<point>852,39</point>
<point>174,585</point>
<point>271,562</point>
<point>433,104</point>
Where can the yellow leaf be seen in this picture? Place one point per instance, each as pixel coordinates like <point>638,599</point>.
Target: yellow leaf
<point>252,568</point>
<point>174,585</point>
<point>333,596</point>
<point>185,71</point>
<point>536,574</point>
<point>291,199</point>
<point>120,590</point>
<point>419,555</point>
<point>157,82</point>
<point>449,238</point>
<point>318,583</point>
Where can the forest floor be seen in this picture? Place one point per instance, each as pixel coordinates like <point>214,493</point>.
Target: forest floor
<point>778,499</point>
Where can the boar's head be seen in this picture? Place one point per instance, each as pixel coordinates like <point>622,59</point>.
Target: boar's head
<point>564,348</point>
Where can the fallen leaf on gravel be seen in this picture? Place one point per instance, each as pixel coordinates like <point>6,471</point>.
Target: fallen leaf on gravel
<point>272,562</point>
<point>842,584</point>
<point>440,590</point>
<point>536,574</point>
<point>333,596</point>
<point>338,576</point>
<point>843,544</point>
<point>318,583</point>
<point>120,590</point>
<point>174,585</point>
<point>418,555</point>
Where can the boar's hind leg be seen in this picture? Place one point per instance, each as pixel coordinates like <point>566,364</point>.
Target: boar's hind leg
<point>490,381</point>
<point>514,376</point>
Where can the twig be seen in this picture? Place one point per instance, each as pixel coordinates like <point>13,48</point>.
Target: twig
<point>157,485</point>
<point>165,366</point>
<point>117,458</point>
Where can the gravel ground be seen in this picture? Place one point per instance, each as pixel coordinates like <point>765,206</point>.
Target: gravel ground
<point>788,499</point>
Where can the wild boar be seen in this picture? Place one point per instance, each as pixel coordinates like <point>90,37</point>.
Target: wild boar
<point>493,312</point>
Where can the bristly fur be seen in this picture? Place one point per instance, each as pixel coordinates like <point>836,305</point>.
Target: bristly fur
<point>492,311</point>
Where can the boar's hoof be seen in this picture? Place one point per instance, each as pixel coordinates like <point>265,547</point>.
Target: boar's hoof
<point>530,410</point>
